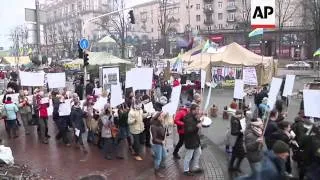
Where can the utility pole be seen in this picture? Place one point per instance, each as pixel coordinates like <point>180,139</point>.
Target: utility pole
<point>38,30</point>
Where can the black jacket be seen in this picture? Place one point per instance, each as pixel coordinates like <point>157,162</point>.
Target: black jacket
<point>191,135</point>
<point>158,132</point>
<point>123,119</point>
<point>238,147</point>
<point>76,117</point>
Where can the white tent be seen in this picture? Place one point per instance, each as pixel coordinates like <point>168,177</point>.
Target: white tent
<point>101,58</point>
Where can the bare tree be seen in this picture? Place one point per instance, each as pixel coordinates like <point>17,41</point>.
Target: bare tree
<point>164,23</point>
<point>285,10</point>
<point>116,26</point>
<point>15,37</point>
<point>245,21</point>
<point>312,15</point>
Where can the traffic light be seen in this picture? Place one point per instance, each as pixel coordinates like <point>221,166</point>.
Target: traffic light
<point>131,17</point>
<point>85,59</point>
<point>80,51</point>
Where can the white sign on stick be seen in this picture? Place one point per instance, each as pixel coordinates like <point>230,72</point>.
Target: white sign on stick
<point>14,97</point>
<point>274,91</point>
<point>169,108</point>
<point>288,86</point>
<point>142,78</point>
<point>250,76</point>
<point>238,92</point>
<point>130,78</point>
<point>56,80</point>
<point>116,95</point>
<point>31,78</point>
<point>65,108</point>
<point>101,102</point>
<point>311,99</point>
<point>203,78</point>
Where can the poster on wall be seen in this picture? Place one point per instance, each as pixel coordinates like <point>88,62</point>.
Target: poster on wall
<point>110,76</point>
<point>225,76</point>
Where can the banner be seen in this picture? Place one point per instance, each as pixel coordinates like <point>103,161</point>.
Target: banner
<point>288,86</point>
<point>311,100</point>
<point>56,80</point>
<point>203,78</point>
<point>110,76</point>
<point>225,76</point>
<point>31,78</point>
<point>250,76</point>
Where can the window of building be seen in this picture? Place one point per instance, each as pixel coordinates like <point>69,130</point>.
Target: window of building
<point>220,26</point>
<point>198,18</point>
<point>220,16</point>
<point>209,28</point>
<point>197,6</point>
<point>151,29</point>
<point>198,27</point>
<point>231,17</point>
<point>220,5</point>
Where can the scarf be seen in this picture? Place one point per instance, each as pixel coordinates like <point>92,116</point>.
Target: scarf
<point>8,102</point>
<point>257,128</point>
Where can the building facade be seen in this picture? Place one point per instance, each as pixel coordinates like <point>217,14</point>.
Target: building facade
<point>64,25</point>
<point>225,21</point>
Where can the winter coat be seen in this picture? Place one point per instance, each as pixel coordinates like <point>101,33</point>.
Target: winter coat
<point>280,135</point>
<point>253,148</point>
<point>272,127</point>
<point>76,117</point>
<point>11,109</point>
<point>238,147</point>
<point>178,120</point>
<point>43,111</point>
<point>191,135</point>
<point>135,121</point>
<point>158,132</point>
<point>123,119</point>
<point>299,129</point>
<point>55,104</point>
<point>272,168</point>
<point>311,150</point>
<point>24,106</point>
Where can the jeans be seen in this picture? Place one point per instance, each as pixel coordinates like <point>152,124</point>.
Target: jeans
<point>78,139</point>
<point>192,154</point>
<point>159,155</point>
<point>179,145</point>
<point>108,146</point>
<point>256,169</point>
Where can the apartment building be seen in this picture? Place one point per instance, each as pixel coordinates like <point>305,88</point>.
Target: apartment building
<point>64,24</point>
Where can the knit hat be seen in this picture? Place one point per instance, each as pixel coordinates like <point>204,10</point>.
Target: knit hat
<point>280,147</point>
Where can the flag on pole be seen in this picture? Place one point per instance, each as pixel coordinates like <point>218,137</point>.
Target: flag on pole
<point>178,64</point>
<point>317,53</point>
<point>256,32</point>
<point>206,46</point>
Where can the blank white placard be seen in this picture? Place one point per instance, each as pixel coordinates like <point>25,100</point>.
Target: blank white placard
<point>203,78</point>
<point>274,91</point>
<point>311,99</point>
<point>288,86</point>
<point>238,92</point>
<point>142,78</point>
<point>31,78</point>
<point>116,95</point>
<point>56,80</point>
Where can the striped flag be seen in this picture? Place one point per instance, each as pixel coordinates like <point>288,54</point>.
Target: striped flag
<point>256,32</point>
<point>206,46</point>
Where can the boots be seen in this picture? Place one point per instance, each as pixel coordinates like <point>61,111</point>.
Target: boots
<point>158,173</point>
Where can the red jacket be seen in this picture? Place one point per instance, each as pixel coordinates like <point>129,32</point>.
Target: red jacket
<point>43,111</point>
<point>176,83</point>
<point>178,120</point>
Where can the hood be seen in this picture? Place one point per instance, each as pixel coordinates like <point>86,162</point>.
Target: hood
<point>183,109</point>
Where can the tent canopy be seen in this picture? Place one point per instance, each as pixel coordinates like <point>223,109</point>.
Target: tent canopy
<point>107,39</point>
<point>232,54</point>
<point>14,61</point>
<point>101,58</point>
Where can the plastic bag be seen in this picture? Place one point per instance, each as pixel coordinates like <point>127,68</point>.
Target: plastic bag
<point>6,155</point>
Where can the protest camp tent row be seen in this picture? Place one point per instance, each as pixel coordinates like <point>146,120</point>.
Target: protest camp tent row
<point>234,55</point>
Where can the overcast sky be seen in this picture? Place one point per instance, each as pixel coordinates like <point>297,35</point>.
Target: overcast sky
<point>12,14</point>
